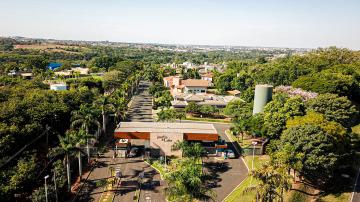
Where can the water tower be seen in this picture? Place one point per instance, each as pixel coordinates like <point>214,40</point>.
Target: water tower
<point>263,95</point>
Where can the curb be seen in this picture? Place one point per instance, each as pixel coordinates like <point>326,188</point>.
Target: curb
<point>243,162</point>
<point>355,184</point>
<point>161,177</point>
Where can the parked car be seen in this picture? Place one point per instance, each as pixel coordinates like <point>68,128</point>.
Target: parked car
<point>230,154</point>
<point>133,152</point>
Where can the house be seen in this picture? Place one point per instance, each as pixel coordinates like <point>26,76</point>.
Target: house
<point>234,92</point>
<point>208,77</point>
<point>194,86</point>
<point>58,86</point>
<point>182,100</point>
<point>81,70</point>
<point>27,75</point>
<point>177,85</point>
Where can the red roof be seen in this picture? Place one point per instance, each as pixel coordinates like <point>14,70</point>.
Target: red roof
<point>195,83</point>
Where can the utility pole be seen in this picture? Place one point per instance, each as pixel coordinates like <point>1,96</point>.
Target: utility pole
<point>46,194</point>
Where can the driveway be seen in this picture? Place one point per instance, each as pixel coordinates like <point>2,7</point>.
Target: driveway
<point>233,171</point>
<point>141,105</point>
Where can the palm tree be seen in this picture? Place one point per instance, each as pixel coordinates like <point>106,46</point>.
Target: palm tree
<point>67,146</point>
<point>80,139</point>
<point>186,182</point>
<point>85,118</point>
<point>106,104</point>
<point>272,183</point>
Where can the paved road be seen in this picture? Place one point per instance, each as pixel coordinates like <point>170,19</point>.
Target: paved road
<point>141,106</point>
<point>226,179</point>
<point>92,191</point>
<point>131,168</point>
<point>356,192</point>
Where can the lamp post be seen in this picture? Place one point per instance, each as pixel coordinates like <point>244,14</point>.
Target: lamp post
<point>252,164</point>
<point>55,187</point>
<point>46,194</point>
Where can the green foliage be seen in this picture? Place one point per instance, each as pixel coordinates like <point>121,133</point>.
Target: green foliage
<point>192,107</point>
<point>190,150</point>
<point>186,182</point>
<point>311,151</point>
<point>166,115</point>
<point>280,109</point>
<point>164,100</point>
<point>335,108</point>
<point>156,89</point>
<point>37,64</point>
<point>238,108</point>
<point>325,82</point>
<point>208,110</point>
<point>191,74</point>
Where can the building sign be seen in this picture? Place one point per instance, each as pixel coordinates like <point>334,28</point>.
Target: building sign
<point>164,138</point>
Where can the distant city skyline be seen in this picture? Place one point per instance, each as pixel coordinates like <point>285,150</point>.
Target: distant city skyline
<point>277,23</point>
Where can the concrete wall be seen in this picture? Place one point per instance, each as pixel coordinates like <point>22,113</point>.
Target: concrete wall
<point>165,142</point>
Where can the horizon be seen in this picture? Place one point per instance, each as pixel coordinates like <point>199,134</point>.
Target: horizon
<point>276,24</point>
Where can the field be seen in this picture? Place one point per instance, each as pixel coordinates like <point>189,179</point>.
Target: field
<point>52,48</point>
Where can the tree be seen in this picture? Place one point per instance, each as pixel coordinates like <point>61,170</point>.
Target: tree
<point>37,64</point>
<point>85,118</point>
<point>327,82</point>
<point>273,181</point>
<point>190,150</point>
<point>113,80</point>
<point>106,104</point>
<point>80,138</point>
<point>208,110</point>
<point>67,145</point>
<point>335,108</point>
<point>238,108</point>
<point>180,115</point>
<point>166,115</point>
<point>192,107</point>
<point>317,149</point>
<point>280,109</point>
<point>186,182</point>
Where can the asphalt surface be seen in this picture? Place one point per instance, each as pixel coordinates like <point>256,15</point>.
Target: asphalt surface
<point>233,171</point>
<point>140,109</point>
<point>356,193</point>
<point>132,170</point>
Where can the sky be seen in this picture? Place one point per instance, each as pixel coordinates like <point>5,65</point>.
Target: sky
<point>269,23</point>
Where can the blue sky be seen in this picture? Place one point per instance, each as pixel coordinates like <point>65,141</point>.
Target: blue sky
<point>278,23</point>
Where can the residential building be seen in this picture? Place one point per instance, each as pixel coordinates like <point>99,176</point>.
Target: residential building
<point>182,100</point>
<point>58,86</point>
<point>177,85</point>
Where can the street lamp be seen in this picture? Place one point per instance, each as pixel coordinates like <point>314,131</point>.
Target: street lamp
<point>253,143</point>
<point>46,194</point>
<point>55,186</point>
<point>252,165</point>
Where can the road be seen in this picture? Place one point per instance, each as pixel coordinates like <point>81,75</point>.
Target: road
<point>141,106</point>
<point>131,169</point>
<point>356,193</point>
<point>226,179</point>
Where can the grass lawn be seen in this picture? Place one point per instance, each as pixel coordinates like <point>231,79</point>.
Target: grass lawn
<point>240,195</point>
<point>207,119</point>
<point>158,166</point>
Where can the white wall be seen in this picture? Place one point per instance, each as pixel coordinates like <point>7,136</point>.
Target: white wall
<point>195,89</point>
